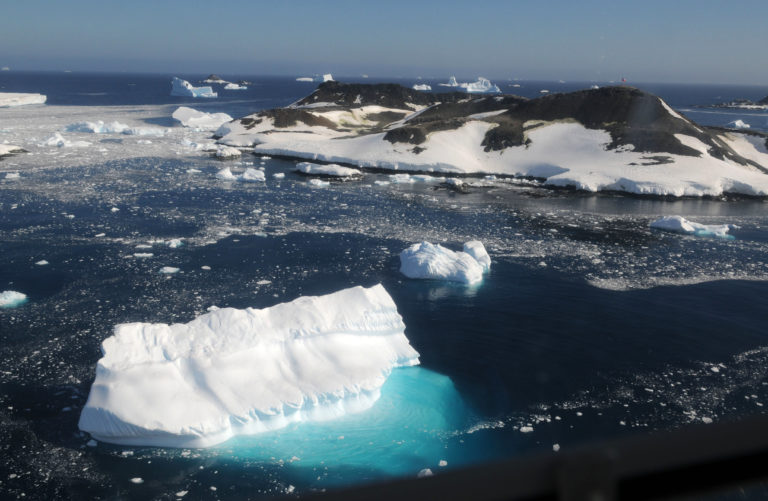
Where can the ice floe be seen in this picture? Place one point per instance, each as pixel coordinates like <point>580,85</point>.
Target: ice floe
<point>329,170</point>
<point>99,127</point>
<point>679,224</point>
<point>58,140</point>
<point>422,87</point>
<point>200,120</point>
<point>233,372</point>
<point>430,261</point>
<point>227,152</point>
<point>183,88</point>
<point>11,299</point>
<point>234,86</point>
<point>249,175</point>
<point>9,99</point>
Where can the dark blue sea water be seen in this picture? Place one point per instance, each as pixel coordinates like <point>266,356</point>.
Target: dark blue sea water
<point>589,325</point>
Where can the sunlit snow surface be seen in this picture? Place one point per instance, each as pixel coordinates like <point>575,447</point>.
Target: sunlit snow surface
<point>593,324</point>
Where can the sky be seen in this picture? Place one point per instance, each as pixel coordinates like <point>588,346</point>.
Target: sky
<point>702,41</point>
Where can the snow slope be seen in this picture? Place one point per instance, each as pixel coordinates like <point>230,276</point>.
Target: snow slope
<point>232,371</point>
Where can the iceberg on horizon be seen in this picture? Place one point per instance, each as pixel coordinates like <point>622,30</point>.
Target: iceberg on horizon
<point>234,86</point>
<point>9,99</point>
<point>239,372</point>
<point>327,77</point>
<point>451,83</point>
<point>183,88</point>
<point>678,224</point>
<point>428,261</point>
<point>482,86</point>
<point>422,87</point>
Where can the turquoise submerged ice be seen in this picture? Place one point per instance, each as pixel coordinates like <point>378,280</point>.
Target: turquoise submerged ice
<point>238,372</point>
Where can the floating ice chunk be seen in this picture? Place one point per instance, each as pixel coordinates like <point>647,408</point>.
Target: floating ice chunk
<point>526,429</point>
<point>738,124</point>
<point>137,480</point>
<point>327,77</point>
<point>401,179</point>
<point>226,175</point>
<point>11,299</point>
<point>234,86</point>
<point>253,175</point>
<point>318,182</point>
<point>183,88</point>
<point>8,99</point>
<point>422,87</point>
<point>425,260</point>
<point>227,152</point>
<point>42,262</point>
<point>426,472</point>
<point>278,175</point>
<point>98,127</point>
<point>476,249</point>
<point>58,140</point>
<point>234,372</point>
<point>12,175</point>
<point>679,224</point>
<point>305,79</point>
<point>169,270</point>
<point>200,120</point>
<point>330,170</point>
<point>175,243</point>
<point>143,255</point>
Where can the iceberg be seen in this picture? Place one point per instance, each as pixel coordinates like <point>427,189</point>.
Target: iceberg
<point>227,152</point>
<point>451,83</point>
<point>12,299</point>
<point>422,87</point>
<point>253,175</point>
<point>678,224</point>
<point>240,372</point>
<point>200,120</point>
<point>482,86</point>
<point>330,170</point>
<point>234,86</point>
<point>426,260</point>
<point>183,88</point>
<point>318,78</point>
<point>738,124</point>
<point>9,99</point>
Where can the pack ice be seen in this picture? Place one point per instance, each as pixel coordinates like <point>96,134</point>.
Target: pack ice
<point>183,88</point>
<point>426,260</point>
<point>234,372</point>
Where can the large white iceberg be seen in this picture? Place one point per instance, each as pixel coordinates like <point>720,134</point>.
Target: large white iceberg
<point>231,372</point>
<point>679,224</point>
<point>11,299</point>
<point>426,260</point>
<point>183,88</point>
<point>200,120</point>
<point>8,99</point>
<point>482,86</point>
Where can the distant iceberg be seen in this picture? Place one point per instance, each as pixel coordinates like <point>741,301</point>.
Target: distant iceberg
<point>12,299</point>
<point>451,83</point>
<point>183,88</point>
<point>234,86</point>
<point>200,120</point>
<point>426,260</point>
<point>482,86</point>
<point>422,87</point>
<point>9,99</point>
<point>317,78</point>
<point>236,372</point>
<point>738,124</point>
<point>679,224</point>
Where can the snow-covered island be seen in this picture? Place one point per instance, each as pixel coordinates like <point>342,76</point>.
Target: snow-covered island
<point>610,138</point>
<point>744,104</point>
<point>233,372</point>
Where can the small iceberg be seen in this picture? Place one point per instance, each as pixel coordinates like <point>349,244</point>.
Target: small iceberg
<point>234,86</point>
<point>329,170</point>
<point>12,299</point>
<point>428,261</point>
<point>241,372</point>
<point>249,175</point>
<point>738,124</point>
<point>227,152</point>
<point>678,224</point>
<point>422,87</point>
<point>200,120</point>
<point>327,77</point>
<point>183,88</point>
<point>169,270</point>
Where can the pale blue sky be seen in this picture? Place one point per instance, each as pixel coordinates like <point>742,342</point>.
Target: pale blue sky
<point>705,41</point>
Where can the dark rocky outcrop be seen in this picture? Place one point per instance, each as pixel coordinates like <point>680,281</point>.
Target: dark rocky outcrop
<point>214,77</point>
<point>763,101</point>
<point>386,95</point>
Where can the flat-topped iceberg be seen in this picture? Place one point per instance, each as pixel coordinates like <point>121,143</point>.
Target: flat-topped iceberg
<point>183,88</point>
<point>200,120</point>
<point>426,260</point>
<point>235,372</point>
<point>9,99</point>
<point>329,170</point>
<point>12,299</point>
<point>679,224</point>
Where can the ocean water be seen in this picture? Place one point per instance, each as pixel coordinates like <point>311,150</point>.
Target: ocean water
<point>589,326</point>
